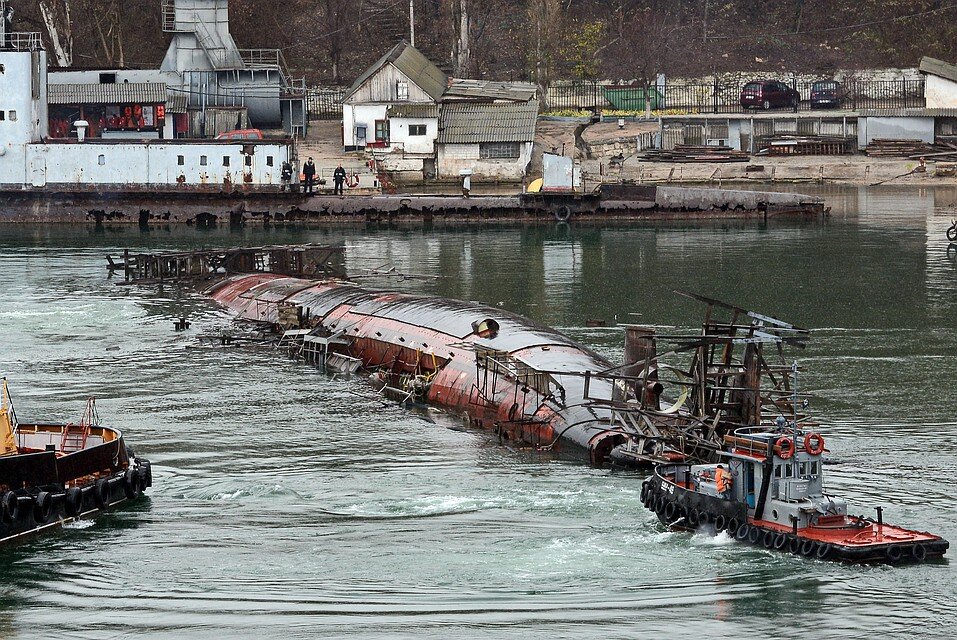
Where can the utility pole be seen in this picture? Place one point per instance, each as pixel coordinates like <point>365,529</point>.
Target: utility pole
<point>412,22</point>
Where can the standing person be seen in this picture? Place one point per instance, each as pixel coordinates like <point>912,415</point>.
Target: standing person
<point>285,176</point>
<point>309,173</point>
<point>339,177</point>
<point>466,185</point>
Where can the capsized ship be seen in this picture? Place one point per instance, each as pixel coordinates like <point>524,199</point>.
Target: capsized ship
<point>529,383</point>
<point>769,491</point>
<point>51,474</point>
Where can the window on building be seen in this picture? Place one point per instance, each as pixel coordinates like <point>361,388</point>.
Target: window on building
<point>268,161</point>
<point>225,161</point>
<point>499,150</point>
<point>202,161</point>
<point>381,130</point>
<point>12,116</point>
<point>101,160</point>
<point>401,90</point>
<point>248,161</point>
<point>107,78</point>
<point>416,129</point>
<point>181,160</point>
<point>2,116</point>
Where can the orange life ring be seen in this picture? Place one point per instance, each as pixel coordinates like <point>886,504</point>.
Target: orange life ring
<point>785,447</point>
<point>818,444</point>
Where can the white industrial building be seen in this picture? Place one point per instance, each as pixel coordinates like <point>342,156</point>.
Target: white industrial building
<point>30,159</point>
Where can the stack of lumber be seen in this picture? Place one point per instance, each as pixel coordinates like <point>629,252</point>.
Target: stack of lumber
<point>941,151</point>
<point>695,153</point>
<point>889,147</point>
<point>808,145</point>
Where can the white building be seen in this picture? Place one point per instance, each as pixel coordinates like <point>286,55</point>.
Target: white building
<point>392,109</point>
<point>29,159</point>
<point>419,122</point>
<point>940,83</point>
<point>492,140</point>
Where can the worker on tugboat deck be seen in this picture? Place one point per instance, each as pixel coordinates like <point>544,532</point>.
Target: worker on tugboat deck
<point>722,480</point>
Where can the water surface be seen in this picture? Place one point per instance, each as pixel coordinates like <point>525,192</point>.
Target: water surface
<point>289,504</point>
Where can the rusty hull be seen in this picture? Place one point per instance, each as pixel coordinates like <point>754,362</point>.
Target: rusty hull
<point>524,381</point>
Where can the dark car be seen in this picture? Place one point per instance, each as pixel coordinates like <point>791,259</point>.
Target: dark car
<point>827,93</point>
<point>768,94</point>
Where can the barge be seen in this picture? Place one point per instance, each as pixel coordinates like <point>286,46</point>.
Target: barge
<point>769,491</point>
<point>206,205</point>
<point>51,474</point>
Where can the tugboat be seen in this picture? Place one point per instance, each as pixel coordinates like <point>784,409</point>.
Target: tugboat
<point>770,492</point>
<point>51,474</point>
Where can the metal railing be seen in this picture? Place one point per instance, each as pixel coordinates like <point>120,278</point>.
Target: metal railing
<point>21,42</point>
<point>168,9</point>
<point>720,97</point>
<point>262,58</point>
<point>325,103</point>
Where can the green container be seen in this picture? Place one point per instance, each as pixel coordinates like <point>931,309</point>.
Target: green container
<point>632,98</point>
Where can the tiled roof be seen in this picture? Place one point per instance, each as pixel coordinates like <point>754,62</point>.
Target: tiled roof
<point>489,90</point>
<point>939,68</point>
<point>144,92</point>
<point>413,110</point>
<point>470,122</point>
<point>413,64</point>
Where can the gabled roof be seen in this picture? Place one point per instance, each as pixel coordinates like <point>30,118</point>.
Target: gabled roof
<point>119,93</point>
<point>413,64</point>
<point>939,68</point>
<point>489,90</point>
<point>471,122</point>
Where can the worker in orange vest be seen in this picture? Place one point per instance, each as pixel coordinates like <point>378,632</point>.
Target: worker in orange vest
<point>722,480</point>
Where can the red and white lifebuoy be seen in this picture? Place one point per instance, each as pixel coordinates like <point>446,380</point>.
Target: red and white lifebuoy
<point>784,447</point>
<point>814,443</point>
<point>353,181</point>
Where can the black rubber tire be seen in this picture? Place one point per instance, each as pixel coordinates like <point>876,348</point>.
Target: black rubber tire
<point>733,526</point>
<point>147,472</point>
<point>894,553</point>
<point>742,532</point>
<point>807,547</point>
<point>660,505</point>
<point>919,552</point>
<point>767,540</point>
<point>131,484</point>
<point>644,491</point>
<point>102,493</point>
<point>704,517</point>
<point>754,534</point>
<point>952,233</point>
<point>780,541</point>
<point>73,502</point>
<point>794,545</point>
<point>42,507</point>
<point>693,518</point>
<point>11,507</point>
<point>669,512</point>
<point>563,213</point>
<point>823,551</point>
<point>720,522</point>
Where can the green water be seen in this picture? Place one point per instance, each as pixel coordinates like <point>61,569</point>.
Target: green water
<point>289,504</point>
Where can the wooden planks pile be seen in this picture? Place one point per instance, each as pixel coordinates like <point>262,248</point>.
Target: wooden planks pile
<point>899,148</point>
<point>809,145</point>
<point>686,153</point>
<point>941,151</point>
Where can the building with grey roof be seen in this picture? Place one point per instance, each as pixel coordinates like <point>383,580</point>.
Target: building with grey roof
<point>493,140</point>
